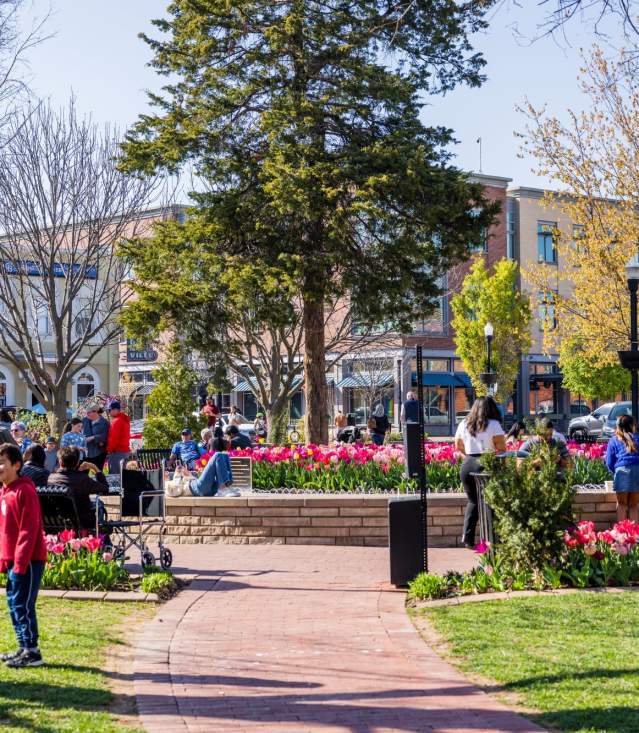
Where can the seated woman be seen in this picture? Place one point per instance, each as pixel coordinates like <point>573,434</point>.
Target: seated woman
<point>622,459</point>
<point>33,466</point>
<point>73,475</point>
<point>217,474</point>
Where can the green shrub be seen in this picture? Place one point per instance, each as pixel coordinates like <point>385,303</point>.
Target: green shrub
<point>156,580</point>
<point>427,586</point>
<point>532,507</point>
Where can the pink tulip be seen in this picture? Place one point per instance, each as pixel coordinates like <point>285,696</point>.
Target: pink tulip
<point>107,556</point>
<point>58,548</point>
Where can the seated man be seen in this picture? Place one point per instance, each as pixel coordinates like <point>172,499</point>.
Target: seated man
<point>74,477</point>
<point>185,450</point>
<point>33,466</point>
<point>529,447</point>
<point>238,440</point>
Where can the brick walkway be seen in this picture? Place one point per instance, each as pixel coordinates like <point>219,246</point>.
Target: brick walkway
<point>284,638</point>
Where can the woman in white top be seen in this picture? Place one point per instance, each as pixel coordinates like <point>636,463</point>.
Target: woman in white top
<point>480,432</point>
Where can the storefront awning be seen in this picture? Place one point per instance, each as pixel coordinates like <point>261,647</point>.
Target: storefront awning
<point>244,385</point>
<point>444,379</point>
<point>363,380</point>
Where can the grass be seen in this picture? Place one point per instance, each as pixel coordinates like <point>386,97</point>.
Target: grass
<point>70,693</point>
<point>572,658</point>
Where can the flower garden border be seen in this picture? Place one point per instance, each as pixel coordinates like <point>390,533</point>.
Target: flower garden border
<point>508,595</point>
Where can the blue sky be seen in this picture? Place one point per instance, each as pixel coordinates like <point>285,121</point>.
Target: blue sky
<point>96,54</point>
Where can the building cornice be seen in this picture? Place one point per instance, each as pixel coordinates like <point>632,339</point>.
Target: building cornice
<point>493,181</point>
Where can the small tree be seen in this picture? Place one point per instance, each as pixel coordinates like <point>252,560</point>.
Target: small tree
<point>172,401</point>
<point>589,377</point>
<point>493,298</point>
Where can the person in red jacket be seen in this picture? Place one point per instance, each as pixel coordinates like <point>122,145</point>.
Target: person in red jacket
<point>119,441</point>
<point>23,553</point>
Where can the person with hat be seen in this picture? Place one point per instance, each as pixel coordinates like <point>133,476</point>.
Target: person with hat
<point>185,450</point>
<point>96,433</point>
<point>50,454</point>
<point>119,439</point>
<point>19,435</point>
<point>260,426</point>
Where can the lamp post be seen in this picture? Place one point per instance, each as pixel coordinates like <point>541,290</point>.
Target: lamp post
<point>488,377</point>
<point>630,359</point>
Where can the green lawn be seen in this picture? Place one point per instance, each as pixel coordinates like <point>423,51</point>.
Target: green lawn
<point>70,693</point>
<point>573,658</point>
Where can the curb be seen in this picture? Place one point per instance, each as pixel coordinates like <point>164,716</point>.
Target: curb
<point>99,595</point>
<point>509,595</point>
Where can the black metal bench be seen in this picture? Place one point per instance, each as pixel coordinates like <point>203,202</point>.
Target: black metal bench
<point>151,458</point>
<point>59,512</point>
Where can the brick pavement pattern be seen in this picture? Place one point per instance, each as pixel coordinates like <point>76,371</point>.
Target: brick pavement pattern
<point>280,638</point>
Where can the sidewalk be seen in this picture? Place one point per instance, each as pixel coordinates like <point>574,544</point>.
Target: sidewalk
<point>309,638</point>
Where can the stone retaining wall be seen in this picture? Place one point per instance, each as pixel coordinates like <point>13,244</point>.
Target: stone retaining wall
<point>329,520</point>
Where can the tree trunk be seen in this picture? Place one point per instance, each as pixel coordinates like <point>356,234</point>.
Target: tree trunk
<point>316,419</point>
<point>277,424</point>
<point>58,415</point>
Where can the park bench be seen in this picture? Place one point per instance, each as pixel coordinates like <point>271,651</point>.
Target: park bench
<point>151,458</point>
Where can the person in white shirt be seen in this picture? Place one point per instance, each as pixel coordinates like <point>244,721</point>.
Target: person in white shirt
<point>480,432</point>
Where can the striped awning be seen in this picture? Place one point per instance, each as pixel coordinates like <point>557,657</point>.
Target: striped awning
<point>366,379</point>
<point>245,386</point>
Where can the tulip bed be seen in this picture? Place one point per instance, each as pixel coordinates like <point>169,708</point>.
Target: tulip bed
<point>368,468</point>
<point>81,563</point>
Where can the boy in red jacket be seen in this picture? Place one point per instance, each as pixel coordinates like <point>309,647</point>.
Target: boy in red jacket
<point>23,552</point>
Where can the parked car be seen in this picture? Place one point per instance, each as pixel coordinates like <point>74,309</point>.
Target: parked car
<point>245,426</point>
<point>610,424</point>
<point>587,427</point>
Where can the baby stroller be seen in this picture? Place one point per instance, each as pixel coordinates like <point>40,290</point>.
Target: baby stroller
<point>350,434</point>
<point>142,508</point>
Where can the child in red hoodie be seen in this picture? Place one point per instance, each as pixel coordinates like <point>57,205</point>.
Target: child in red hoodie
<point>23,553</point>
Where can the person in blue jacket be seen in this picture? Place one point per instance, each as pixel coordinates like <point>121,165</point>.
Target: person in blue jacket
<point>622,459</point>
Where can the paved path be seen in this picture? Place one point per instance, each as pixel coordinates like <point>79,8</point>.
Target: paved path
<point>300,638</point>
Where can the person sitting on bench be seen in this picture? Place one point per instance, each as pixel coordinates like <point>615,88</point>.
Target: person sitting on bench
<point>74,477</point>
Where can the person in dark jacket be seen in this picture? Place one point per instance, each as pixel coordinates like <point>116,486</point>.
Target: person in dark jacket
<point>380,425</point>
<point>74,477</point>
<point>96,432</point>
<point>237,439</point>
<point>33,467</point>
<point>410,409</point>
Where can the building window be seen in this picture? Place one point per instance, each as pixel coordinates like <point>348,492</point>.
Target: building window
<point>480,245</point>
<point>577,237</point>
<point>85,386</point>
<point>547,314</point>
<point>510,229</point>
<point>43,322</point>
<point>546,251</point>
<point>3,389</point>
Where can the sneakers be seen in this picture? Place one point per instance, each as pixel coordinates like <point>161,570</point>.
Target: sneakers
<point>27,658</point>
<point>228,492</point>
<point>11,655</point>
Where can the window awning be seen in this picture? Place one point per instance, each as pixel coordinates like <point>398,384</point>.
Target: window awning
<point>444,379</point>
<point>245,386</point>
<point>363,380</point>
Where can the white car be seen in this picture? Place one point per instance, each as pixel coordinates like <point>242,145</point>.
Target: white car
<point>244,426</point>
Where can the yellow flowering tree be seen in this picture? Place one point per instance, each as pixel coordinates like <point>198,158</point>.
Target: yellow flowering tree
<point>594,161</point>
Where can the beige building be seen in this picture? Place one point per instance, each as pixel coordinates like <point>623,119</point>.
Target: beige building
<point>532,229</point>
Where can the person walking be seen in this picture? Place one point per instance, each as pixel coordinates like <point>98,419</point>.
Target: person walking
<point>410,409</point>
<point>234,416</point>
<point>378,425</point>
<point>96,433</point>
<point>478,433</point>
<point>622,459</point>
<point>210,411</point>
<point>23,553</point>
<point>119,440</point>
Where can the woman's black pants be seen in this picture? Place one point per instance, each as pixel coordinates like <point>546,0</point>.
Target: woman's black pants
<point>470,465</point>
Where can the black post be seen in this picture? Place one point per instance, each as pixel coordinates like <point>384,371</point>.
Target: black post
<point>634,346</point>
<point>422,458</point>
<point>488,340</point>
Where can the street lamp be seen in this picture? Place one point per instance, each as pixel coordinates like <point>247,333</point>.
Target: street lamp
<point>488,377</point>
<point>630,359</point>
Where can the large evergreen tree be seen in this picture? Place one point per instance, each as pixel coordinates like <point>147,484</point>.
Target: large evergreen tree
<point>302,119</point>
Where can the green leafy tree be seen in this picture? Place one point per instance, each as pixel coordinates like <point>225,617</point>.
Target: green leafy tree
<point>301,117</point>
<point>495,298</point>
<point>588,377</point>
<point>171,403</point>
